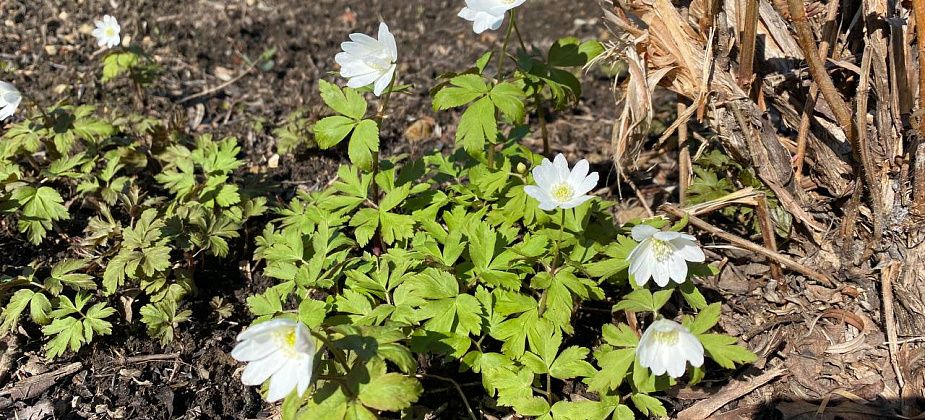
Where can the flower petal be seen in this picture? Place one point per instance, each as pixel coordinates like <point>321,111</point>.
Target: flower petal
<point>642,232</point>
<point>258,371</point>
<point>255,348</point>
<point>386,38</point>
<point>284,381</point>
<point>384,81</point>
<point>561,165</point>
<point>263,327</point>
<point>660,274</point>
<point>575,202</point>
<point>688,250</point>
<point>579,172</point>
<point>587,184</point>
<point>677,269</point>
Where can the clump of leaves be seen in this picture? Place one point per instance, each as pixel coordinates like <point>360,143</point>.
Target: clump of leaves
<point>143,232</point>
<point>716,175</point>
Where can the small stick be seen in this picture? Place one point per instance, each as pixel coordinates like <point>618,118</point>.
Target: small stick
<point>767,235</point>
<point>221,86</point>
<point>918,7</point>
<point>748,245</point>
<point>684,160</point>
<point>892,271</point>
<point>749,32</point>
<point>729,393</point>
<point>148,358</point>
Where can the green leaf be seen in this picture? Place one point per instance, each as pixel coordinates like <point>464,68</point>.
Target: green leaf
<point>40,207</point>
<point>571,363</point>
<point>311,312</point>
<point>585,410</point>
<point>347,102</point>
<point>68,333</point>
<point>477,125</point>
<point>390,392</point>
<point>331,130</point>
<point>570,52</point>
<point>363,143</point>
<point>724,350</point>
<point>649,406</point>
<point>614,366</point>
<point>509,98</point>
<point>462,90</point>
<point>14,309</point>
<point>705,319</point>
<point>619,335</point>
<point>64,272</point>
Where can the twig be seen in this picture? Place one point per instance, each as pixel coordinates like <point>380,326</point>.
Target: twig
<point>747,51</point>
<point>148,358</point>
<point>34,386</point>
<point>838,105</point>
<point>918,7</point>
<point>458,389</point>
<point>767,234</point>
<point>684,160</point>
<point>221,86</point>
<point>748,245</point>
<point>810,104</point>
<point>729,393</point>
<point>889,274</point>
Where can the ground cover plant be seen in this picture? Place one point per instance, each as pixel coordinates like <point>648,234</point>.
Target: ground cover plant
<point>466,262</point>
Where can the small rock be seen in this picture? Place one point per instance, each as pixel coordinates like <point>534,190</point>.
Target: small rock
<point>273,162</point>
<point>51,50</point>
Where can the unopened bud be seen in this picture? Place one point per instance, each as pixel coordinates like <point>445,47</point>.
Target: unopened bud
<point>521,168</point>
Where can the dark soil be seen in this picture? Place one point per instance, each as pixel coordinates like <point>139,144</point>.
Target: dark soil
<point>199,45</point>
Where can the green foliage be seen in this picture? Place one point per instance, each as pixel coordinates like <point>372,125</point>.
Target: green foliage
<point>349,122</point>
<point>141,68</point>
<point>144,234</point>
<point>445,256</point>
<point>716,175</point>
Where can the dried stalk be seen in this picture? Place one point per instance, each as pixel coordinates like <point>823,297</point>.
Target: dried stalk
<point>748,245</point>
<point>749,32</point>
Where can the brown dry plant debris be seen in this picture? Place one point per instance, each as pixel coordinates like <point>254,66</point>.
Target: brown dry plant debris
<point>823,101</point>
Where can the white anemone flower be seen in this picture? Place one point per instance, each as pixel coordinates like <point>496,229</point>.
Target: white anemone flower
<point>9,100</point>
<point>281,350</point>
<point>662,255</point>
<point>667,346</point>
<point>558,187</point>
<point>107,32</point>
<point>487,14</point>
<point>366,60</point>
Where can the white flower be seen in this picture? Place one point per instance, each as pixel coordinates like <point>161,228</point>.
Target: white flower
<point>487,14</point>
<point>107,32</point>
<point>662,255</point>
<point>281,350</point>
<point>366,61</point>
<point>557,187</point>
<point>667,346</point>
<point>9,100</point>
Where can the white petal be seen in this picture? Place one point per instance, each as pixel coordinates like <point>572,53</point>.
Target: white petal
<point>691,349</point>
<point>363,80</point>
<point>467,14</point>
<point>547,205</point>
<point>579,172</point>
<point>383,82</point>
<point>255,348</point>
<point>587,184</point>
<point>666,235</point>
<point>284,381</point>
<point>303,340</point>
<point>305,374</point>
<point>482,23</point>
<point>263,327</point>
<point>660,274</point>
<point>536,192</point>
<point>387,39</point>
<point>365,41</point>
<point>689,250</point>
<point>7,111</point>
<point>561,165</point>
<point>677,269</point>
<point>544,175</point>
<point>643,232</point>
<point>575,202</point>
<point>258,371</point>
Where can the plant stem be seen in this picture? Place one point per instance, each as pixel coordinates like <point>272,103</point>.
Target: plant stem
<point>541,115</point>
<point>549,389</point>
<point>517,31</point>
<point>503,51</point>
<point>555,261</point>
<point>380,116</point>
<point>338,354</point>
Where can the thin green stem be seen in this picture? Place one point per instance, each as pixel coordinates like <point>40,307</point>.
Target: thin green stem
<point>503,52</point>
<point>517,31</point>
<point>541,115</point>
<point>555,261</point>
<point>549,389</point>
<point>338,354</point>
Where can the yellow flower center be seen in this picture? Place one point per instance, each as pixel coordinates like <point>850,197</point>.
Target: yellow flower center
<point>562,192</point>
<point>666,337</point>
<point>661,249</point>
<point>110,32</point>
<point>290,338</point>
